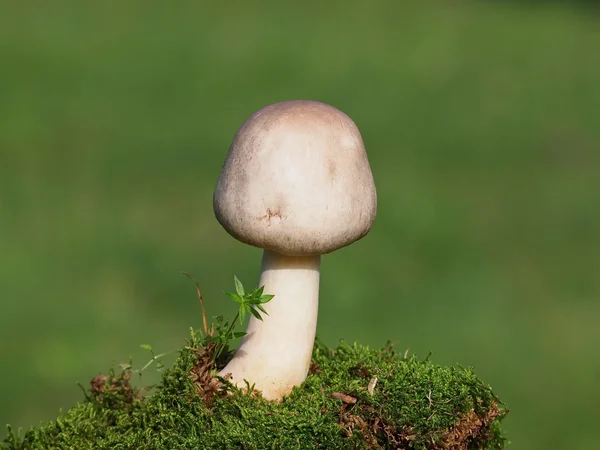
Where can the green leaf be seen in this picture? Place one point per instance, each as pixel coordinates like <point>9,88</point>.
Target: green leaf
<point>262,309</point>
<point>238,334</point>
<point>235,297</point>
<point>242,312</point>
<point>255,313</point>
<point>266,298</point>
<point>258,292</point>
<point>146,347</point>
<point>239,287</point>
<point>218,322</point>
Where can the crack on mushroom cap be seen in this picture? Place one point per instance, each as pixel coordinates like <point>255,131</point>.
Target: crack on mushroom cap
<point>271,215</point>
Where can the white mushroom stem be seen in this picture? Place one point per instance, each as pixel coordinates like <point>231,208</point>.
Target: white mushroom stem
<point>275,353</point>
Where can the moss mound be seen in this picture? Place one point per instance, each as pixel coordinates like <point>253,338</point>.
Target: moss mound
<point>353,398</point>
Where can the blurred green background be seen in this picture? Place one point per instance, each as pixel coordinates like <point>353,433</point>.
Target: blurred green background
<point>482,125</point>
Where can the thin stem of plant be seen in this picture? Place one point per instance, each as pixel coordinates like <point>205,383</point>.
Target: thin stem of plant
<point>228,335</point>
<point>156,358</point>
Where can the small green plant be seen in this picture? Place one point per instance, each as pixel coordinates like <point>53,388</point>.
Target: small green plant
<point>223,332</point>
<point>249,303</point>
<point>155,359</point>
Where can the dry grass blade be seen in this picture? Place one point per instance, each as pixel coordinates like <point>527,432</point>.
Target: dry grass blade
<point>204,321</point>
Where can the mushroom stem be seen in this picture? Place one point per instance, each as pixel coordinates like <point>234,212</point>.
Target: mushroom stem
<point>275,353</point>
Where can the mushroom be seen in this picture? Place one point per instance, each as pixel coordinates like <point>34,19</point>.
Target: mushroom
<point>297,183</point>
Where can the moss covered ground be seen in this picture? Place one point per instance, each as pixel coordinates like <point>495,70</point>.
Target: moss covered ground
<point>354,397</point>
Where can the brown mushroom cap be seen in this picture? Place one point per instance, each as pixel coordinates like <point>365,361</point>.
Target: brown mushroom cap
<point>297,181</point>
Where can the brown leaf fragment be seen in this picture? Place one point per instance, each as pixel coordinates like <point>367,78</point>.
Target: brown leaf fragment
<point>348,399</point>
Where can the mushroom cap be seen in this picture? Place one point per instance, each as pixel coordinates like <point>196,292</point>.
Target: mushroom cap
<point>297,181</point>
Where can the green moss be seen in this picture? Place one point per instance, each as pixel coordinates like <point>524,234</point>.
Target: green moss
<point>413,404</point>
